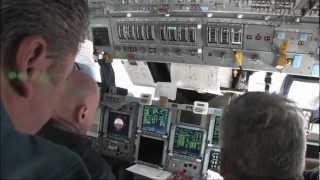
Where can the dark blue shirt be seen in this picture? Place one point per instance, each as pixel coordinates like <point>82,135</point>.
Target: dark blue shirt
<point>30,157</point>
<point>98,168</point>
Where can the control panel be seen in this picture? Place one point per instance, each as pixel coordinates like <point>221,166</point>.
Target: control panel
<point>213,135</point>
<point>169,136</point>
<point>153,134</point>
<point>186,116</point>
<point>212,160</point>
<point>186,150</point>
<point>189,168</point>
<point>269,7</point>
<point>211,32</point>
<point>188,139</point>
<point>151,38</point>
<point>119,127</point>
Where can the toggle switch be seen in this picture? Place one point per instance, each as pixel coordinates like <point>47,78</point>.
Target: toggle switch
<point>282,59</point>
<point>238,57</point>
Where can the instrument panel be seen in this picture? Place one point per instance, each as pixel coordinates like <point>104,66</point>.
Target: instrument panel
<point>269,7</point>
<point>166,136</point>
<point>212,40</point>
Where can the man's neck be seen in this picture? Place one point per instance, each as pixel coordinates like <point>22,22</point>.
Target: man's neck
<point>66,125</point>
<point>9,100</point>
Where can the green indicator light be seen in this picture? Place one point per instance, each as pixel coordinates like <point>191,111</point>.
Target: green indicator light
<point>12,75</point>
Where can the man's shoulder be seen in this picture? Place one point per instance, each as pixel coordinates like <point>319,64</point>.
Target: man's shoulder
<point>98,167</point>
<point>68,163</point>
<point>31,157</point>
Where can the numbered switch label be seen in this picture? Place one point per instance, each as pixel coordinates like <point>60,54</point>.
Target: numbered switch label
<point>303,36</point>
<point>281,35</point>
<point>315,70</point>
<point>297,61</point>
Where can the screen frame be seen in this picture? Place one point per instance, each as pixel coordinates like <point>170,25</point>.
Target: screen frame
<point>202,120</point>
<point>100,23</point>
<point>93,29</point>
<point>187,107</point>
<point>140,123</point>
<point>290,79</point>
<point>106,124</point>
<point>217,112</point>
<point>203,145</point>
<point>164,151</point>
<point>207,159</point>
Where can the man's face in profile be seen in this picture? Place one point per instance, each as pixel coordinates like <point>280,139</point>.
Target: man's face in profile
<point>48,90</point>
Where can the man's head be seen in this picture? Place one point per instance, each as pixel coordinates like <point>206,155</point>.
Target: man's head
<point>77,106</point>
<point>262,137</point>
<point>39,40</point>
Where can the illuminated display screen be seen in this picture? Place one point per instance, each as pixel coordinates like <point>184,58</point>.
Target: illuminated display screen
<point>151,150</point>
<point>214,161</point>
<point>190,118</point>
<point>215,136</point>
<point>118,125</point>
<point>155,119</point>
<point>187,141</point>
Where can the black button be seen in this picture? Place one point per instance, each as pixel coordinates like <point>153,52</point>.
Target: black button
<point>258,37</point>
<point>267,38</point>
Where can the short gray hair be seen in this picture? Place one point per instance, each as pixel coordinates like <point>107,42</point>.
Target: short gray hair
<point>62,23</point>
<point>263,135</point>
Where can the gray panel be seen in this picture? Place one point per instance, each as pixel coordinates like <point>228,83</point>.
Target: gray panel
<point>179,54</point>
<point>260,42</point>
<point>104,23</point>
<point>204,121</point>
<point>119,147</point>
<point>214,161</point>
<point>190,168</point>
<point>258,37</point>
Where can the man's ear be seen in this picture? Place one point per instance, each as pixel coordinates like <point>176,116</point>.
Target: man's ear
<point>81,115</point>
<point>31,62</point>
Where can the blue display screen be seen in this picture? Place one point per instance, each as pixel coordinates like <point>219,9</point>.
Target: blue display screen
<point>188,141</point>
<point>155,120</point>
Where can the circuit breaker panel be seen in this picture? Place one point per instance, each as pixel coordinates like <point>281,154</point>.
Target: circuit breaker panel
<point>266,35</point>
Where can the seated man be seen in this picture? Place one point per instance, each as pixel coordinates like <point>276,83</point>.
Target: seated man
<point>39,40</point>
<point>262,138</point>
<point>74,115</point>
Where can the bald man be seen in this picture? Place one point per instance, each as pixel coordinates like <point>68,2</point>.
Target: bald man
<point>73,116</point>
